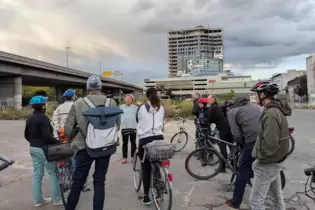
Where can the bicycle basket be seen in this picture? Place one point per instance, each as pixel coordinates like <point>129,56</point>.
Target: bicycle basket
<point>160,150</point>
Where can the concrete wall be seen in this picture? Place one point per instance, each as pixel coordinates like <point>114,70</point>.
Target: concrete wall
<point>11,92</point>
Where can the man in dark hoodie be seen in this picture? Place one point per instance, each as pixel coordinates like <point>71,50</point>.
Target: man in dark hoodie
<point>244,123</point>
<point>271,148</point>
<point>216,116</point>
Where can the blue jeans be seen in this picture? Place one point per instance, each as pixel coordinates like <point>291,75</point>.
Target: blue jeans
<point>244,174</point>
<point>81,172</point>
<point>39,163</point>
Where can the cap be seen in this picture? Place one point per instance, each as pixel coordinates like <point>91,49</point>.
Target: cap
<point>94,83</point>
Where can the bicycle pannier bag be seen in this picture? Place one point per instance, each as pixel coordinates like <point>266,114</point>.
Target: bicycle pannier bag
<point>58,152</point>
<point>101,131</point>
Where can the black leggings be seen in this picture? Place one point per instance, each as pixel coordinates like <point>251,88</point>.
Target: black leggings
<point>146,166</point>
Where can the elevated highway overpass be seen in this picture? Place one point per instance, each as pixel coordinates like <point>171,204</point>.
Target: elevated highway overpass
<point>16,71</point>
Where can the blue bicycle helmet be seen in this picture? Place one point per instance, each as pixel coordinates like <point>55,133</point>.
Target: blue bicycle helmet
<point>38,100</point>
<point>69,93</point>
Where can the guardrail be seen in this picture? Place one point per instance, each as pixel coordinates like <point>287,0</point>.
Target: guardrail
<point>302,106</point>
<point>7,104</point>
<point>8,57</point>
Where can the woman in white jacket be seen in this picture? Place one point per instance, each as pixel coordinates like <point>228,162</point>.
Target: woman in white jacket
<point>61,113</point>
<point>150,128</point>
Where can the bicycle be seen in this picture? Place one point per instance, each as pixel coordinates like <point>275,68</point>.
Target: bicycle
<point>185,130</point>
<point>159,154</point>
<point>208,154</point>
<point>65,170</point>
<point>310,182</point>
<point>5,162</point>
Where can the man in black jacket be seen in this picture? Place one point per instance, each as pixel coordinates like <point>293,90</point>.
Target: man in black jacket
<point>195,109</point>
<point>216,116</point>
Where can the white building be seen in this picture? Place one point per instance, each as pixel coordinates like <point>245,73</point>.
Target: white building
<point>197,51</point>
<point>282,79</point>
<point>310,71</point>
<point>218,84</point>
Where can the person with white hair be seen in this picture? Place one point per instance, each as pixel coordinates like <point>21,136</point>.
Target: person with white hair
<point>76,130</point>
<point>128,126</point>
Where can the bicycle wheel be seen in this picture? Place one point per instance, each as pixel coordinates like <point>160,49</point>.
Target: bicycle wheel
<point>292,145</point>
<point>161,189</point>
<point>64,194</point>
<point>65,185</point>
<point>180,143</point>
<point>206,157</point>
<point>137,172</point>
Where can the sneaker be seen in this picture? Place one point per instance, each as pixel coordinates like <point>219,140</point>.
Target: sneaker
<point>43,202</point>
<point>146,200</point>
<point>124,161</point>
<point>57,203</point>
<point>229,204</point>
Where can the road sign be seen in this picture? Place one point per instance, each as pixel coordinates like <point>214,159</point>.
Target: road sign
<point>107,73</point>
<point>117,73</point>
<point>211,81</point>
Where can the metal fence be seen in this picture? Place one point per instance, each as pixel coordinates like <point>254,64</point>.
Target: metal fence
<point>7,104</point>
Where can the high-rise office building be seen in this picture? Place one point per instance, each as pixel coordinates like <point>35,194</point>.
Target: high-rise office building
<point>197,51</point>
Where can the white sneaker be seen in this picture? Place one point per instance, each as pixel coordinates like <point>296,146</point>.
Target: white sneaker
<point>57,203</point>
<point>43,202</point>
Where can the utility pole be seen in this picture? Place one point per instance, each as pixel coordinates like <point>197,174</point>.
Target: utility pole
<point>67,49</point>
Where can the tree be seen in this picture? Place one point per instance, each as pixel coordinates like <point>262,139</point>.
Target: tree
<point>229,96</point>
<point>301,89</point>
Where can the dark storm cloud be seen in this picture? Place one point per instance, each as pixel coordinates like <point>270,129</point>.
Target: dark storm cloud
<point>254,31</point>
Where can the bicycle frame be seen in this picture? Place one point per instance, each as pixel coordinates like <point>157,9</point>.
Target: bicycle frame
<point>210,145</point>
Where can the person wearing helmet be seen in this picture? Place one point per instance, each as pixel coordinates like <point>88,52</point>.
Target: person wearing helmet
<point>244,123</point>
<point>201,116</point>
<point>271,147</point>
<point>39,133</point>
<point>226,107</point>
<point>60,114</point>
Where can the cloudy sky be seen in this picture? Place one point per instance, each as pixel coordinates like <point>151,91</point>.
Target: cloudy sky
<point>262,37</point>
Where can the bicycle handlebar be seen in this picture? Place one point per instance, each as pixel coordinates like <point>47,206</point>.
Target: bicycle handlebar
<point>6,159</point>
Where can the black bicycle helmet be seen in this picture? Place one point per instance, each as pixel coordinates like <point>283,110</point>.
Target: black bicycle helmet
<point>227,103</point>
<point>266,87</point>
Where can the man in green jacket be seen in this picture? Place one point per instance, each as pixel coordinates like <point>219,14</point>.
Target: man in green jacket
<point>76,129</point>
<point>271,148</point>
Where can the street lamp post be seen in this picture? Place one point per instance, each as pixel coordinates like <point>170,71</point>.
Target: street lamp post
<point>67,49</point>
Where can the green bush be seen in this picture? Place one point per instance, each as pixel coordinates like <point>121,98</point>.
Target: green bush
<point>12,114</point>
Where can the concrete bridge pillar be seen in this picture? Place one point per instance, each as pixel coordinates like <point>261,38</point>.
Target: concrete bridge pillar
<point>11,92</point>
<point>117,94</point>
<point>84,91</point>
<point>59,94</point>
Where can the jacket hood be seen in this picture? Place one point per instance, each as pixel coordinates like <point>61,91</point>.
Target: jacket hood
<point>240,101</point>
<point>282,105</point>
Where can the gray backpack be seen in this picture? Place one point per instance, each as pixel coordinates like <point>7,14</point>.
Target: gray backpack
<point>101,131</point>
